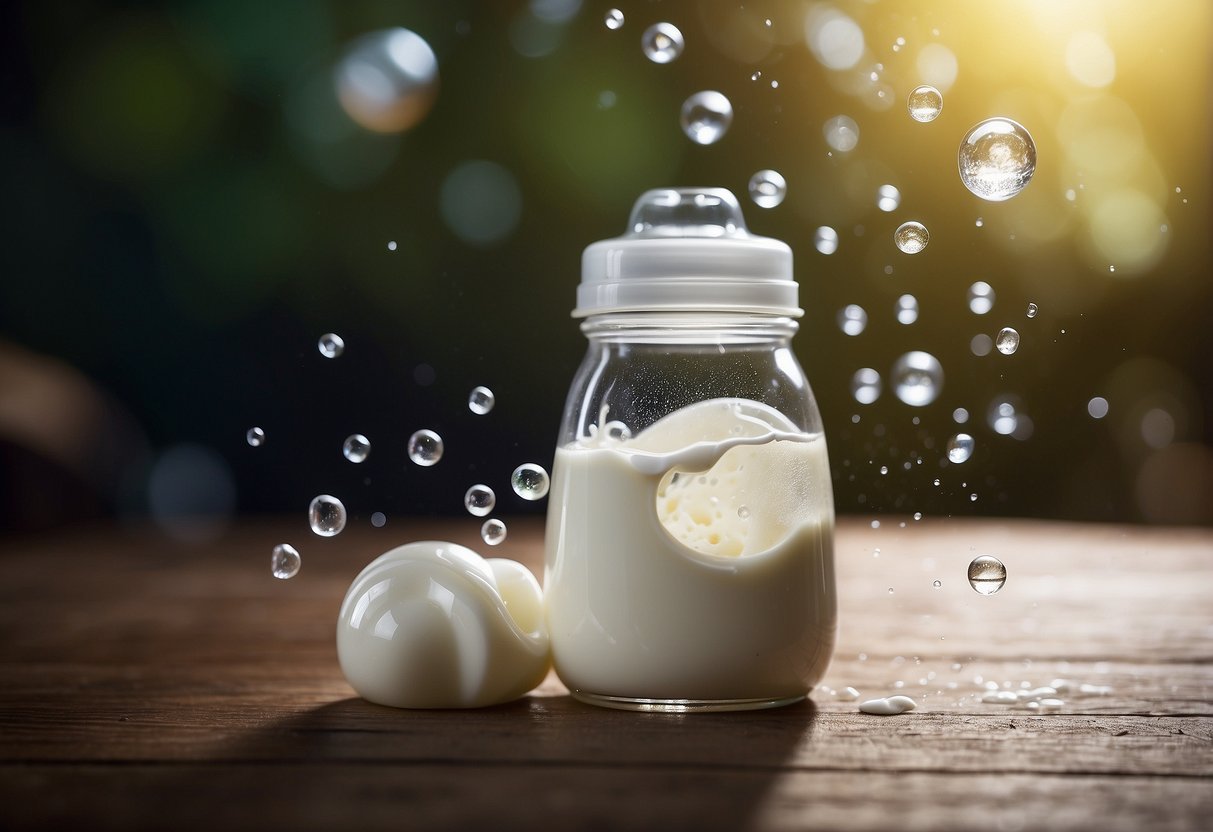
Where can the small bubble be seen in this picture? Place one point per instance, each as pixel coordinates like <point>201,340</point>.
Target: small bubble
<point>980,222</point>
<point>826,240</point>
<point>981,297</point>
<point>937,584</point>
<point>330,345</point>
<point>925,103</point>
<point>378,519</point>
<point>356,447</point>
<point>706,117</point>
<point>530,481</point>
<point>960,448</point>
<point>890,590</point>
<point>918,515</point>
<point>987,575</point>
<point>1002,418</point>
<point>887,198</point>
<point>960,415</point>
<point>493,532</point>
<point>907,309</point>
<point>1007,340</point>
<point>326,515</point>
<point>757,74</point>
<point>768,188</point>
<point>481,400</point>
<point>479,500</point>
<point>662,42</point>
<point>918,378</point>
<point>997,159</point>
<point>865,385</point>
<point>852,319</point>
<point>876,525</point>
<point>613,19</point>
<point>606,99</point>
<point>884,470</point>
<point>285,561</point>
<point>1032,310</point>
<point>1097,407</point>
<point>255,437</point>
<point>935,482</point>
<point>911,237</point>
<point>841,133</point>
<point>981,344</point>
<point>391,246</point>
<point>743,512</point>
<point>425,448</point>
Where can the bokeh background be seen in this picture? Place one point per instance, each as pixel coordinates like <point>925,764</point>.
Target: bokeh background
<point>198,190</point>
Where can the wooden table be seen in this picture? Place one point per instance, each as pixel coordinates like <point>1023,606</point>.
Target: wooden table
<point>153,685</point>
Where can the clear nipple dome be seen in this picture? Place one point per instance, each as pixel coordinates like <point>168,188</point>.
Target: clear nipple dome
<point>687,250</point>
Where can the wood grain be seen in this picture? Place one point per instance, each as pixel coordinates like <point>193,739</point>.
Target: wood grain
<point>145,684</point>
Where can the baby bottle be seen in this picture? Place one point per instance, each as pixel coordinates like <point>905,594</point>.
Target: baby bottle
<point>689,543</point>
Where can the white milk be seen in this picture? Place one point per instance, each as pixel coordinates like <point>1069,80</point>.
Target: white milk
<point>693,561</point>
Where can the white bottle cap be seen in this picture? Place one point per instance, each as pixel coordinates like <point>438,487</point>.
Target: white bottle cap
<point>687,250</point>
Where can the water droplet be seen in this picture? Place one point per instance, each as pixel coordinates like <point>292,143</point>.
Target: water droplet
<point>768,188</point>
<point>980,222</point>
<point>481,400</point>
<point>937,584</point>
<point>917,378</point>
<point>493,532</point>
<point>743,512</point>
<point>918,514</point>
<point>479,500</point>
<point>960,415</point>
<point>530,481</point>
<point>378,519</point>
<point>935,482</point>
<point>285,561</point>
<point>997,159</point>
<point>706,117</point>
<point>356,447</point>
<point>1097,407</point>
<point>987,575</point>
<point>925,103</point>
<point>981,298</point>
<point>255,437</point>
<point>890,590</point>
<point>907,309</point>
<point>330,345</point>
<point>616,431</point>
<point>841,133</point>
<point>826,240</point>
<point>613,19</point>
<point>757,74</point>
<point>887,198</point>
<point>387,81</point>
<point>960,448</point>
<point>884,470</point>
<point>911,237</point>
<point>852,319</point>
<point>1007,340</point>
<point>865,385</point>
<point>1002,417</point>
<point>425,448</point>
<point>326,515</point>
<point>662,43</point>
<point>391,246</point>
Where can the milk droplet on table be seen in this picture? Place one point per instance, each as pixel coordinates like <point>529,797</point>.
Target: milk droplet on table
<point>888,707</point>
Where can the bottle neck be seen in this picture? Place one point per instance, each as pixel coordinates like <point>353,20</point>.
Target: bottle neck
<point>724,327</point>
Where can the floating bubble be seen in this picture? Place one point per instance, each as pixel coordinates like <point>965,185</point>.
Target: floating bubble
<point>480,202</point>
<point>768,188</point>
<point>1032,310</point>
<point>841,133</point>
<point>937,584</point>
<point>1007,340</point>
<point>960,448</point>
<point>987,575</point>
<point>331,345</point>
<point>979,222</point>
<point>1097,407</point>
<point>356,447</point>
<point>852,319</point>
<point>706,117</point>
<point>481,400</point>
<point>834,38</point>
<point>925,103</point>
<point>960,415</point>
<point>493,532</point>
<point>613,19</point>
<point>391,246</point>
<point>826,240</point>
<point>378,519</point>
<point>425,448</point>
<point>997,159</point>
<point>917,378</point>
<point>911,237</point>
<point>981,344</point>
<point>285,561</point>
<point>981,298</point>
<point>479,500</point>
<point>662,43</point>
<point>887,198</point>
<point>907,309</point>
<point>865,385</point>
<point>1002,417</point>
<point>326,515</point>
<point>387,81</point>
<point>255,437</point>
<point>530,481</point>
<point>743,512</point>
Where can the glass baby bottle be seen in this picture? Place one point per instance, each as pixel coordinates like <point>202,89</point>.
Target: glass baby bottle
<point>689,542</point>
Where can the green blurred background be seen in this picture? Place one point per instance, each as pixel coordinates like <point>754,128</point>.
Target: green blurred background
<point>199,190</point>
